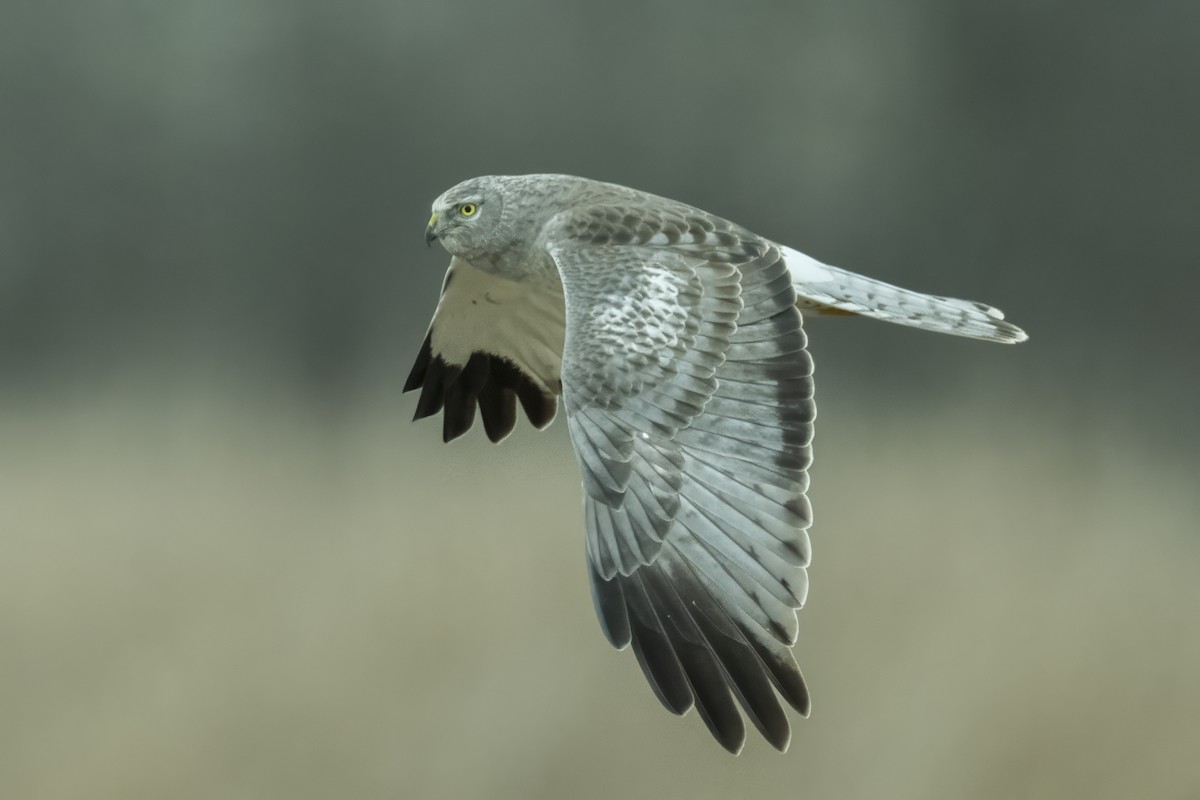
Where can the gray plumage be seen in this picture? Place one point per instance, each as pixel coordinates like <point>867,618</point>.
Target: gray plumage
<point>675,340</point>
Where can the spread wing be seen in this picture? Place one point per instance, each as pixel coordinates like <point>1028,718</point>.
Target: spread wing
<point>688,393</point>
<point>493,342</point>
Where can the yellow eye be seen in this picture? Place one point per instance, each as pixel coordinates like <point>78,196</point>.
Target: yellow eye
<point>467,209</point>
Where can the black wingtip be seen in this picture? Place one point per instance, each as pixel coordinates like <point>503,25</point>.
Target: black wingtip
<point>609,602</point>
<point>432,395</point>
<point>654,652</point>
<point>492,383</point>
<point>498,408</point>
<point>732,738</point>
<point>416,375</point>
<point>462,394</point>
<point>694,654</point>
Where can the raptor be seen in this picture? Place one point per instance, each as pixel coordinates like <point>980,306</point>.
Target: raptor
<point>674,339</point>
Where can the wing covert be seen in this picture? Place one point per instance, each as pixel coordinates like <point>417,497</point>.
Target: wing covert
<point>696,422</point>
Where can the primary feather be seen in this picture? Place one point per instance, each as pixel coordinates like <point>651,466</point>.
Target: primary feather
<point>675,340</point>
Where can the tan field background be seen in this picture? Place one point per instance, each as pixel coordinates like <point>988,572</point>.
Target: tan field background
<point>221,596</point>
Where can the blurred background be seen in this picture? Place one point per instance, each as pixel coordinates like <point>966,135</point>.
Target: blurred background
<point>231,567</point>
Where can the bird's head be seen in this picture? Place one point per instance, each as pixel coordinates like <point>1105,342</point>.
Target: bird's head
<point>467,219</point>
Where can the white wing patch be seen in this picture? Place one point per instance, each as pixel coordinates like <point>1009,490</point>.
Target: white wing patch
<point>522,322</point>
<point>492,342</point>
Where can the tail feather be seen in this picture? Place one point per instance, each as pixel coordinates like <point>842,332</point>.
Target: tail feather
<point>825,290</point>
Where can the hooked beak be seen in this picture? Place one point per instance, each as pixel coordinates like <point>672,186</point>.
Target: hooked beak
<point>430,231</point>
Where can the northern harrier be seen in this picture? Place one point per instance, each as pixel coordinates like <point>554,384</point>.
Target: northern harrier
<point>674,339</point>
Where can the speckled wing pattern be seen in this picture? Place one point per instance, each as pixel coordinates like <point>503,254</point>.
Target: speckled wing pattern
<point>689,399</point>
<point>676,342</point>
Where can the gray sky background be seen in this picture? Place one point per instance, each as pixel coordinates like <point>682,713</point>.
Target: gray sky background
<point>244,182</point>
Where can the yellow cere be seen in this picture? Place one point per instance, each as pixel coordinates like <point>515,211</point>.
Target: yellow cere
<point>432,220</point>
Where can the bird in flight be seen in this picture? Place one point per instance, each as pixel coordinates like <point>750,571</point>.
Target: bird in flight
<point>674,338</point>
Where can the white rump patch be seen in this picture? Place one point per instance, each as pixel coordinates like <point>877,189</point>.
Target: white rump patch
<point>805,269</point>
